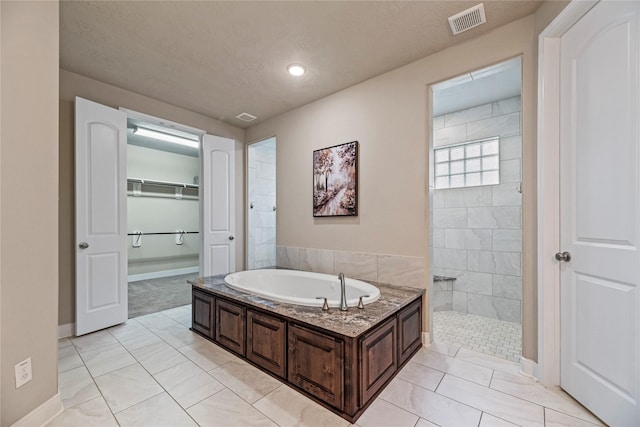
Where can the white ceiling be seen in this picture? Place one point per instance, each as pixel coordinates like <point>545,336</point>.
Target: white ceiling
<point>221,58</point>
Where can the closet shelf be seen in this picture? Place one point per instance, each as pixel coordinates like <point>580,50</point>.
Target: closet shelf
<point>144,181</point>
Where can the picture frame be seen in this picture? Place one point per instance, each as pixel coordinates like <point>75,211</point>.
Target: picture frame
<point>335,180</point>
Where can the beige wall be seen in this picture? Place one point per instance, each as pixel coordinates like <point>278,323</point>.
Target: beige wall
<point>28,203</point>
<point>388,115</point>
<point>72,85</point>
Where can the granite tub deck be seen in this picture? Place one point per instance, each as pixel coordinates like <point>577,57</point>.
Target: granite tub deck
<point>342,360</point>
<point>350,323</point>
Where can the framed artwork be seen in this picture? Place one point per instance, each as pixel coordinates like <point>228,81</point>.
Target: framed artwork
<point>335,180</point>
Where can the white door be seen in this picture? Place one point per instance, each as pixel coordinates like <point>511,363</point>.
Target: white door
<point>101,189</point>
<point>600,211</point>
<point>218,205</point>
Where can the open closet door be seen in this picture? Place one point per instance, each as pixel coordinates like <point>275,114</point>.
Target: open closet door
<point>101,190</point>
<point>218,205</point>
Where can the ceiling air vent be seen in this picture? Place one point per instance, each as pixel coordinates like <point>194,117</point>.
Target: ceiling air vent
<point>467,19</point>
<point>246,117</point>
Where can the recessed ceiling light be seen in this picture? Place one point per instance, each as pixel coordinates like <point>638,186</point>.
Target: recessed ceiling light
<point>296,69</point>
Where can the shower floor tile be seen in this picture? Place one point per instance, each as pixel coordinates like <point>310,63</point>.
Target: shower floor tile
<point>481,334</point>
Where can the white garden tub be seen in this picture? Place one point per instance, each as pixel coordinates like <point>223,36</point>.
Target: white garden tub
<point>301,287</point>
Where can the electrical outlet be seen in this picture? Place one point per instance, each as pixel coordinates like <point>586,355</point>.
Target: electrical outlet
<point>23,372</point>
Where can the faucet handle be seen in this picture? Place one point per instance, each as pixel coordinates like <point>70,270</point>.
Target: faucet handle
<point>360,303</point>
<point>325,306</point>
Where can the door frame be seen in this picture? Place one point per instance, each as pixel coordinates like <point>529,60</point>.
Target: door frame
<point>547,370</point>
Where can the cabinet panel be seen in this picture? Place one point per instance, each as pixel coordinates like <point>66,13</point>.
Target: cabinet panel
<point>267,342</point>
<point>378,350</point>
<point>203,318</point>
<point>316,364</point>
<point>230,325</point>
<point>409,330</point>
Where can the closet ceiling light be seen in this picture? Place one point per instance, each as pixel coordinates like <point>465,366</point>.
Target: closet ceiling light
<point>296,69</point>
<point>166,137</point>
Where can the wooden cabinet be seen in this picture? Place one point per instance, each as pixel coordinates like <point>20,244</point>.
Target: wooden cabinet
<point>409,330</point>
<point>203,317</point>
<point>343,373</point>
<point>267,342</point>
<point>230,325</point>
<point>316,364</point>
<point>378,352</point>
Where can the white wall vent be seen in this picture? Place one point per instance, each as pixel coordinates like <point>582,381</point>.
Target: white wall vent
<point>467,19</point>
<point>246,117</point>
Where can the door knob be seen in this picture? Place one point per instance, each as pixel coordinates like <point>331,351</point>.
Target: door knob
<point>83,245</point>
<point>231,237</point>
<point>563,256</point>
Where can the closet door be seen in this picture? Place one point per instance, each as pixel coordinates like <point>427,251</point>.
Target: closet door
<point>101,189</point>
<point>218,205</point>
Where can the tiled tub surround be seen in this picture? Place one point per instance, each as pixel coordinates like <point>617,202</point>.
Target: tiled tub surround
<point>477,231</point>
<point>393,269</point>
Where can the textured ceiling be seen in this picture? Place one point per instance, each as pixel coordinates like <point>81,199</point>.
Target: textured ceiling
<point>222,58</point>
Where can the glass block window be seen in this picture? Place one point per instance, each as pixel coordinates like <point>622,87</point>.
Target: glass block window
<point>468,165</point>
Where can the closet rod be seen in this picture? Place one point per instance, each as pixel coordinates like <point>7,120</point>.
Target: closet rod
<point>168,232</point>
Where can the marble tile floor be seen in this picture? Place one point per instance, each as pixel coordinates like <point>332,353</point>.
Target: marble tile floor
<point>482,334</point>
<point>152,371</point>
<point>154,295</point>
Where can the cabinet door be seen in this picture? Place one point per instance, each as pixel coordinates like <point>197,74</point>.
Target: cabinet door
<point>267,342</point>
<point>230,325</point>
<point>316,364</point>
<point>378,350</point>
<point>409,330</point>
<point>203,318</point>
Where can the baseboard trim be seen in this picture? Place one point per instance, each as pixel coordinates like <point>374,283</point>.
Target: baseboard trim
<point>67,330</point>
<point>42,414</point>
<point>528,367</point>
<point>426,339</point>
<point>163,273</point>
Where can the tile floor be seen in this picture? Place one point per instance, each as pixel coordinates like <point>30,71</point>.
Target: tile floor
<point>482,334</point>
<point>152,371</point>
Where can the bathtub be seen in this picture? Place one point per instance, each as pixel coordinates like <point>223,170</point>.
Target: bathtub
<point>301,287</point>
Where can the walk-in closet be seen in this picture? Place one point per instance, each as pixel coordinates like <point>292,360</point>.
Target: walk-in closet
<point>163,222</point>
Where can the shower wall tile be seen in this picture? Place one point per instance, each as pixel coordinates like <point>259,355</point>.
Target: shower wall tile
<point>468,238</point>
<point>511,148</point>
<point>288,257</point>
<point>459,301</point>
<point>477,283</point>
<point>401,270</point>
<point>265,253</point>
<point>507,240</point>
<point>494,307</point>
<point>358,265</point>
<point>450,218</point>
<point>507,286</point>
<point>503,126</point>
<point>495,217</point>
<point>469,115</point>
<point>438,238</point>
<point>316,260</point>
<point>510,171</point>
<point>455,259</point>
<point>449,135</point>
<point>441,300</point>
<point>438,122</point>
<point>506,106</point>
<point>506,195</point>
<point>467,197</point>
<point>488,279</point>
<point>438,199</point>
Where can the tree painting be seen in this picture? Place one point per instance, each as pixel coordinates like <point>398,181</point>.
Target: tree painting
<point>335,180</point>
